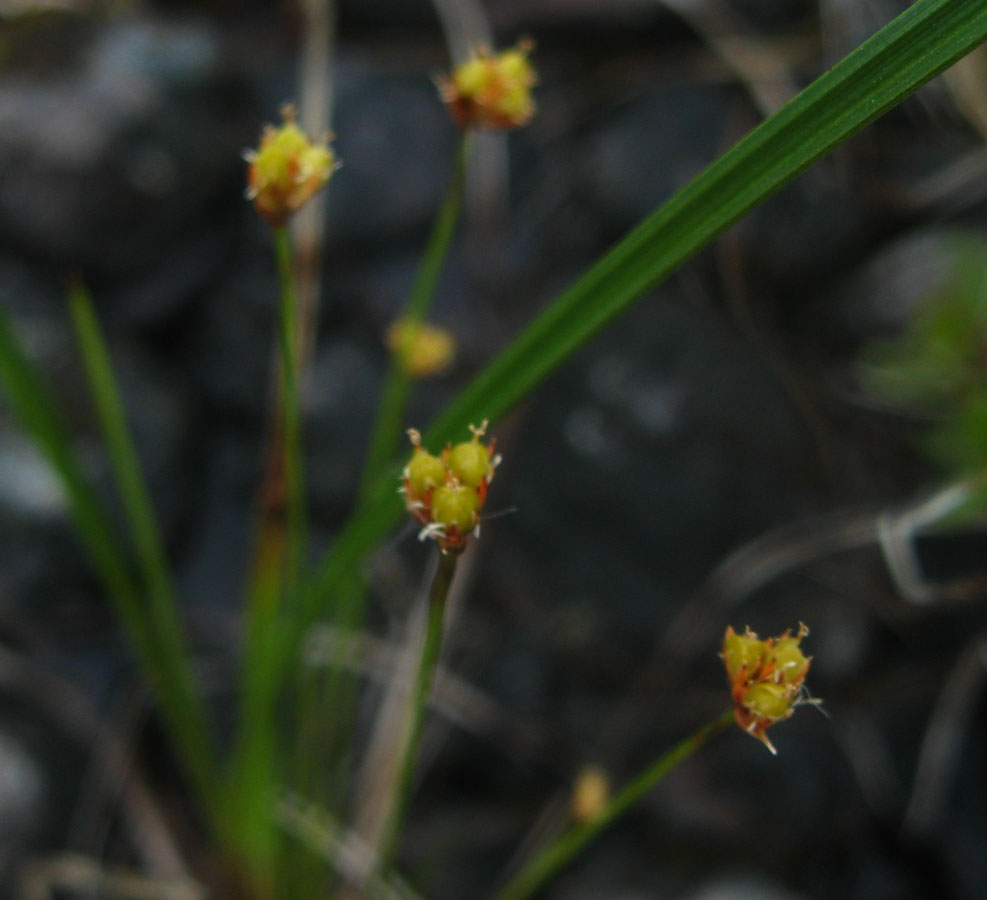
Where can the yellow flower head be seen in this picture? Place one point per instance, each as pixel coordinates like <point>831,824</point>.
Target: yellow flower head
<point>767,678</point>
<point>286,170</point>
<point>492,90</point>
<point>446,493</point>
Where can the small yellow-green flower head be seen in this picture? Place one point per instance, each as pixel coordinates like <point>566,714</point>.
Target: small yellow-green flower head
<point>767,678</point>
<point>446,493</point>
<point>286,170</point>
<point>422,350</point>
<point>492,90</point>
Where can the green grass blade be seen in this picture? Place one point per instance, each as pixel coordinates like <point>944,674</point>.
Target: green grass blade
<point>170,662</point>
<point>35,407</point>
<point>291,417</point>
<point>895,62</point>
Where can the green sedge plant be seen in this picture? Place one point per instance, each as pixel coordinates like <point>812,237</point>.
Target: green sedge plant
<point>265,816</point>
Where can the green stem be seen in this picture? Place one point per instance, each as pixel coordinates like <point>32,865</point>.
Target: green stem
<point>408,754</point>
<point>294,479</point>
<point>394,398</point>
<point>279,553</point>
<point>182,706</point>
<point>558,855</point>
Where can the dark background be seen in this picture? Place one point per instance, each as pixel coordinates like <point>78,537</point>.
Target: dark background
<point>722,410</point>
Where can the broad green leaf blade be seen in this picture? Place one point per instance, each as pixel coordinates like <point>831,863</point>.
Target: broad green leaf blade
<point>900,58</point>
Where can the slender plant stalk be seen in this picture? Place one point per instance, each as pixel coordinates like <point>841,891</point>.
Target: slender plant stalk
<point>558,855</point>
<point>408,752</point>
<point>294,478</point>
<point>277,566</point>
<point>181,703</point>
<point>394,398</point>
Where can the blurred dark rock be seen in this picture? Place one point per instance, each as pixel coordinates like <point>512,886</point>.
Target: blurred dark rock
<point>116,157</point>
<point>669,131</point>
<point>33,521</point>
<point>232,332</point>
<point>340,406</point>
<point>388,15</point>
<point>740,887</point>
<point>810,229</point>
<point>668,394</point>
<point>876,297</point>
<point>396,145</point>
<point>23,802</point>
<point>770,15</point>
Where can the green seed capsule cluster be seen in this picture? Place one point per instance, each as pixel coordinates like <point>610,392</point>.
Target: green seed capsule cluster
<point>445,493</point>
<point>767,678</point>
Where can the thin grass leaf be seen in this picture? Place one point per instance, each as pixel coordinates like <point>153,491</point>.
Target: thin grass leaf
<point>34,405</point>
<point>169,664</point>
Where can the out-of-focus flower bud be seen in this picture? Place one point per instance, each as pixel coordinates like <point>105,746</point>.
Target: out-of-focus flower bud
<point>590,794</point>
<point>286,170</point>
<point>445,494</point>
<point>767,679</point>
<point>492,90</point>
<point>422,350</point>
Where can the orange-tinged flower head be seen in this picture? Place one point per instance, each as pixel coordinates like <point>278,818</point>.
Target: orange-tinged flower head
<point>446,493</point>
<point>286,170</point>
<point>491,90</point>
<point>766,677</point>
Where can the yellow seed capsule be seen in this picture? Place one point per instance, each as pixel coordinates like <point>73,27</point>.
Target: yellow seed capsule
<point>286,170</point>
<point>769,701</point>
<point>455,505</point>
<point>742,653</point>
<point>424,472</point>
<point>469,462</point>
<point>789,663</point>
